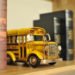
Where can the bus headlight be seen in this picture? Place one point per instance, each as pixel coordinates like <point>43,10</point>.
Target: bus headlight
<point>59,47</point>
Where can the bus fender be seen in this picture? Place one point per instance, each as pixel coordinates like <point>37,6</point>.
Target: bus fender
<point>38,54</point>
<point>11,55</point>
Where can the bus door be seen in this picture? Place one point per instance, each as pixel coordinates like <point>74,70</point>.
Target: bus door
<point>22,47</point>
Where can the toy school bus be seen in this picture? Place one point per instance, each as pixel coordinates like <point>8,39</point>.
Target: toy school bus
<point>31,46</point>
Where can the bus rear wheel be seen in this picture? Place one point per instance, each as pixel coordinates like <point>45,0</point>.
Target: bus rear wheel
<point>9,60</point>
<point>34,61</point>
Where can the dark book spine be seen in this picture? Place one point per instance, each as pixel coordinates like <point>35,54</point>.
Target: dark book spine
<point>69,34</point>
<point>57,36</point>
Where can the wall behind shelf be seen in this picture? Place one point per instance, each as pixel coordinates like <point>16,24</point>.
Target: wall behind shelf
<point>21,13</point>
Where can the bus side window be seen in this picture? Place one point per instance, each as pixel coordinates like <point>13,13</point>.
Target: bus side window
<point>24,39</point>
<point>30,37</point>
<point>19,39</point>
<point>14,38</point>
<point>8,39</point>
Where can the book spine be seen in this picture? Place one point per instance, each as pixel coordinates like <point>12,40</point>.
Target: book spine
<point>57,36</point>
<point>69,34</point>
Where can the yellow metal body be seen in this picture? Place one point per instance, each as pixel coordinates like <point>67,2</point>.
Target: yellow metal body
<point>20,49</point>
<point>11,54</point>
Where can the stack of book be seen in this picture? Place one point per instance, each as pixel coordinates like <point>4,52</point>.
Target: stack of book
<point>59,24</point>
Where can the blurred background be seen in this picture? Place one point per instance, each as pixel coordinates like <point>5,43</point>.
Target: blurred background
<point>47,14</point>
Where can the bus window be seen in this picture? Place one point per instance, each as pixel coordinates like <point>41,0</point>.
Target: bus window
<point>11,39</point>
<point>14,38</point>
<point>30,37</point>
<point>24,39</point>
<point>8,40</point>
<point>19,39</point>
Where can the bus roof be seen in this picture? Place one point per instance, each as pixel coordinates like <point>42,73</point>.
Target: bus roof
<point>24,31</point>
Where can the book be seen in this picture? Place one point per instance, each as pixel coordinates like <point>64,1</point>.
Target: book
<point>59,24</point>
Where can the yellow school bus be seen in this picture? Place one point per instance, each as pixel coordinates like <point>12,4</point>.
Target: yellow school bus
<point>31,46</point>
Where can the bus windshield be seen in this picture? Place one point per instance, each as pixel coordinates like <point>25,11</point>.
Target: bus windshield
<point>38,37</point>
<point>34,38</point>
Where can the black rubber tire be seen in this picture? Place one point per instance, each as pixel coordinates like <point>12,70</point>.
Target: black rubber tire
<point>10,62</point>
<point>52,63</point>
<point>37,61</point>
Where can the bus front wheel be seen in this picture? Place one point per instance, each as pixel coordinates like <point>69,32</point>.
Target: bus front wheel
<point>34,61</point>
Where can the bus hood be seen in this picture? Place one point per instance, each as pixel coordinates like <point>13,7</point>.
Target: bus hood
<point>38,43</point>
<point>51,42</point>
<point>41,43</point>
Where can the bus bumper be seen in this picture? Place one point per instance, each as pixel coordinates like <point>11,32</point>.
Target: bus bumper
<point>45,61</point>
